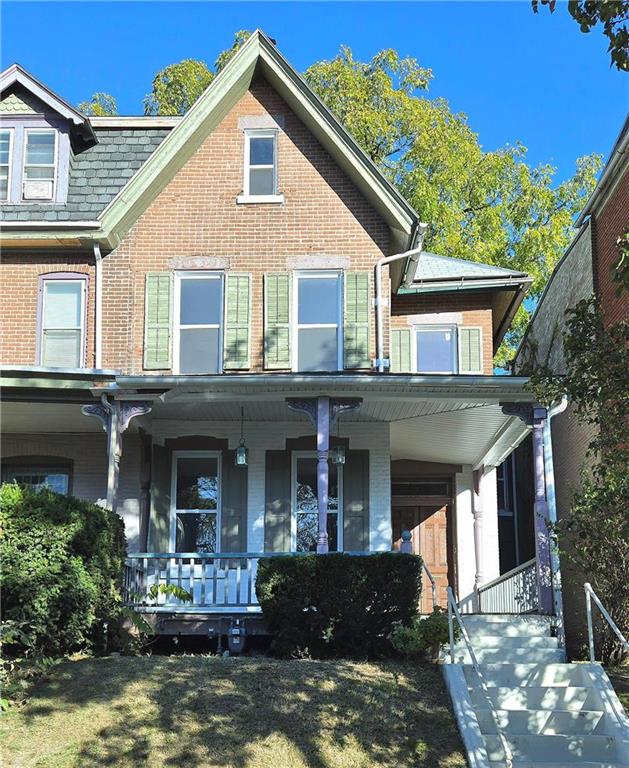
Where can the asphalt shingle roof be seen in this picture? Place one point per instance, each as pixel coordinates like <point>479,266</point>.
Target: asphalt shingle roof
<point>97,175</point>
<point>433,267</point>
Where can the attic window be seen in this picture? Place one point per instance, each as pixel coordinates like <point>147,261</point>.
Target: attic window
<point>40,164</point>
<point>5,163</point>
<point>260,168</point>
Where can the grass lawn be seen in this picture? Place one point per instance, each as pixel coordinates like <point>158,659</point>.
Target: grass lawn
<point>246,713</point>
<point>620,680</point>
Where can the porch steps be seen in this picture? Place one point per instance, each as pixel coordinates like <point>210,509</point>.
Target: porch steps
<point>552,714</point>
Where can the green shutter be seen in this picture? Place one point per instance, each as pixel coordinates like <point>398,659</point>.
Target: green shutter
<point>356,502</point>
<point>400,350</point>
<point>277,511</point>
<point>158,320</point>
<point>470,351</point>
<point>233,505</point>
<point>356,321</point>
<point>277,321</point>
<point>237,321</point>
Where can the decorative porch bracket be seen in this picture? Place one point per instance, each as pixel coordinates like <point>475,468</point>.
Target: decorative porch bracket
<point>534,416</point>
<point>323,412</point>
<point>115,418</point>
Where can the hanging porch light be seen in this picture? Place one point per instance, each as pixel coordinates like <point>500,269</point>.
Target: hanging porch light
<point>242,451</point>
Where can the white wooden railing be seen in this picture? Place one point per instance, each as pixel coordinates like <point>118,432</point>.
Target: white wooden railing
<point>590,595</point>
<point>513,592</point>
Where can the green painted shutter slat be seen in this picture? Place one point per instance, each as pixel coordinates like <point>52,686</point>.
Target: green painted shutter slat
<point>277,321</point>
<point>401,350</point>
<point>158,320</point>
<point>237,321</point>
<point>233,505</point>
<point>159,522</point>
<point>277,511</point>
<point>356,320</point>
<point>356,501</point>
<point>471,353</point>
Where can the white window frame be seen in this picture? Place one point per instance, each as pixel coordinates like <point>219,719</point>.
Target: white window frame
<point>11,132</point>
<point>178,327</point>
<point>455,348</point>
<point>174,511</point>
<point>480,370</point>
<point>247,196</point>
<point>82,327</point>
<point>55,166</point>
<point>293,499</point>
<point>296,325</point>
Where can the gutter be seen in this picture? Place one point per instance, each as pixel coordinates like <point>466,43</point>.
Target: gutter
<point>618,153</point>
<point>49,225</point>
<point>412,259</point>
<point>465,284</point>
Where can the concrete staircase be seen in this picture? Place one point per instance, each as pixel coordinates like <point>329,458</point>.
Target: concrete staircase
<point>552,713</point>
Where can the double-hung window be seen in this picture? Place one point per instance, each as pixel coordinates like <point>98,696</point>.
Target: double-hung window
<point>199,321</point>
<point>436,349</point>
<point>38,474</point>
<point>260,167</point>
<point>6,149</point>
<point>40,164</point>
<point>195,516</point>
<point>318,328</point>
<point>305,503</point>
<point>62,342</point>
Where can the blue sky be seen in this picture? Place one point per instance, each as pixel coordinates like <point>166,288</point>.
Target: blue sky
<point>518,76</point>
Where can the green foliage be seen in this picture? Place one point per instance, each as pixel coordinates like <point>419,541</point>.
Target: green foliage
<point>620,272</point>
<point>176,87</point>
<point>240,38</point>
<point>62,563</point>
<point>595,535</point>
<point>100,105</point>
<point>424,633</point>
<point>612,14</point>
<point>337,604</point>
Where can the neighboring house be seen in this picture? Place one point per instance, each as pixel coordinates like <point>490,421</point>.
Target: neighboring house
<point>211,290</point>
<point>584,270</point>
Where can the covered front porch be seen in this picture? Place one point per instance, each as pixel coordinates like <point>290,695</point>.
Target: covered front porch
<point>212,473</point>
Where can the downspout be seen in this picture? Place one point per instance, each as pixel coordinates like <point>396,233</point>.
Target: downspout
<point>98,307</point>
<point>551,498</point>
<point>413,258</point>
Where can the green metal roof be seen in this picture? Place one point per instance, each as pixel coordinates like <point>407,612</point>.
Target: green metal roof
<point>434,267</point>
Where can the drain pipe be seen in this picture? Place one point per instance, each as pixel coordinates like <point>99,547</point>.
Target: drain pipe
<point>551,500</point>
<point>98,307</point>
<point>379,301</point>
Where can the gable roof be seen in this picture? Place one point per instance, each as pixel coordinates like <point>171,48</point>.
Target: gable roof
<point>17,75</point>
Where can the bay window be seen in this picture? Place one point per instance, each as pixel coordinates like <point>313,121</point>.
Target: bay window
<point>318,328</point>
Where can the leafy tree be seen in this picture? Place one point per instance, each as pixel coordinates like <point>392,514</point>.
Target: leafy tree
<point>100,105</point>
<point>240,38</point>
<point>177,87</point>
<point>621,267</point>
<point>595,534</point>
<point>612,14</point>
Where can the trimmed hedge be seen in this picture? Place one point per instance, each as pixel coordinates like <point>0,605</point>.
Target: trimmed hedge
<point>62,563</point>
<point>337,604</point>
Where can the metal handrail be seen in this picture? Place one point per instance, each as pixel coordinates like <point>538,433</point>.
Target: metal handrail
<point>433,584</point>
<point>453,612</point>
<point>507,575</point>
<point>590,595</point>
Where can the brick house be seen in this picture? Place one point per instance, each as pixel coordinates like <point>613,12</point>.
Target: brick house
<point>224,327</point>
<point>585,269</point>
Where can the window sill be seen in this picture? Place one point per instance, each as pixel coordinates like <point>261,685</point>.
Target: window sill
<point>257,199</point>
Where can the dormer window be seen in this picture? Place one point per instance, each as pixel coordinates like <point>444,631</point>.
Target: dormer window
<point>260,168</point>
<point>40,164</point>
<point>5,162</point>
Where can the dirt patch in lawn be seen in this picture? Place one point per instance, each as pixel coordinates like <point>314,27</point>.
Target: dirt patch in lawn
<point>242,713</point>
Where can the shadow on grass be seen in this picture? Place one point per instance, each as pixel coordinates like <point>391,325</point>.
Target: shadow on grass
<point>241,713</point>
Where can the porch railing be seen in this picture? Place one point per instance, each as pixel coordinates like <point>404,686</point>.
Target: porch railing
<point>513,592</point>
<point>590,595</point>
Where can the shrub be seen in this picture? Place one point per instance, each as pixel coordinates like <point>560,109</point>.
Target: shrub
<point>62,563</point>
<point>337,604</point>
<point>424,634</point>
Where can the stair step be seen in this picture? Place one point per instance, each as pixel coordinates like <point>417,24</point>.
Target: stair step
<point>507,625</point>
<point>543,722</point>
<point>511,655</point>
<point>567,749</point>
<point>569,698</point>
<point>530,675</point>
<point>498,641</point>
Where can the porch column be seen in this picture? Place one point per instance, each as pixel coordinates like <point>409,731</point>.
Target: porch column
<point>323,471</point>
<point>479,576</point>
<point>535,417</point>
<point>115,418</point>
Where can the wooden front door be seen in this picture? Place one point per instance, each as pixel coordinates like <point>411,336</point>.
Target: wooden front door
<point>428,524</point>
